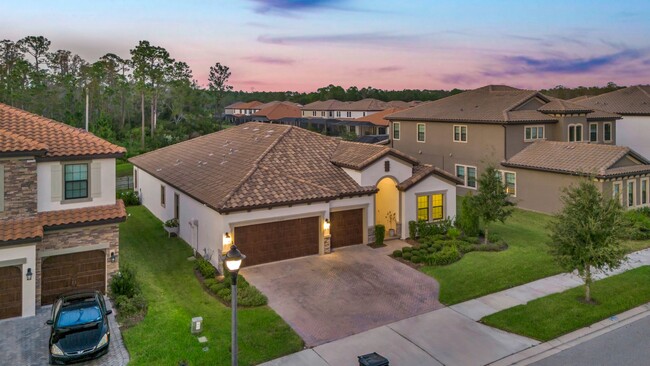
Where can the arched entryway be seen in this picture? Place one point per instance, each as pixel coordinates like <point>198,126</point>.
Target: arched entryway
<point>387,202</point>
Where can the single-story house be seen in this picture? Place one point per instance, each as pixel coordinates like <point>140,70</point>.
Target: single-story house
<point>281,192</point>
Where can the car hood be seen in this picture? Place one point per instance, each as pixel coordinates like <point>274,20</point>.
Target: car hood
<point>79,339</point>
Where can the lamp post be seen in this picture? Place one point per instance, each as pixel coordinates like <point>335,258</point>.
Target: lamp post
<point>233,261</point>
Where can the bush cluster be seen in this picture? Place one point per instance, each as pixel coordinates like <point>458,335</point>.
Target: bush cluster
<point>638,227</point>
<point>247,295</point>
<point>380,233</point>
<point>206,268</point>
<point>129,197</point>
<point>126,294</point>
<point>443,249</point>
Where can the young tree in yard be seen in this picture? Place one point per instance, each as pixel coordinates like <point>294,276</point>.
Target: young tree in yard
<point>586,234</point>
<point>218,84</point>
<point>491,202</point>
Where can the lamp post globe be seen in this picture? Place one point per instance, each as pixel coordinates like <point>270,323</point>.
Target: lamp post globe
<point>233,261</point>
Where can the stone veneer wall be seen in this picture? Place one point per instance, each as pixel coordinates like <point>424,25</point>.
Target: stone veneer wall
<point>80,237</point>
<point>371,235</point>
<point>20,198</point>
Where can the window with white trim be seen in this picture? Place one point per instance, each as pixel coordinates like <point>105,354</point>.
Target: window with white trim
<point>533,133</point>
<point>338,113</point>
<point>313,113</point>
<point>509,180</point>
<point>421,132</point>
<point>460,133</point>
<point>162,195</point>
<point>75,181</point>
<point>607,132</point>
<point>593,132</point>
<point>322,113</point>
<point>631,193</point>
<point>645,191</point>
<point>396,130</point>
<point>575,133</point>
<point>431,207</point>
<point>467,174</point>
<point>349,114</point>
<point>617,191</point>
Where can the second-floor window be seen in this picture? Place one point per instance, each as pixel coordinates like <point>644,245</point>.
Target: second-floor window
<point>593,132</point>
<point>467,174</point>
<point>338,113</point>
<point>76,181</point>
<point>349,114</point>
<point>575,133</point>
<point>460,133</point>
<point>532,133</point>
<point>322,114</point>
<point>421,132</point>
<point>313,114</point>
<point>395,130</point>
<point>607,132</point>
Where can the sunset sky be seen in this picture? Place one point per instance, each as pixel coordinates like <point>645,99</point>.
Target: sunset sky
<point>302,45</point>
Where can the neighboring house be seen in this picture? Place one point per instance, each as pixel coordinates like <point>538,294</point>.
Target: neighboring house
<point>633,104</point>
<point>241,112</point>
<point>336,109</point>
<point>508,127</point>
<point>379,125</point>
<point>277,112</point>
<point>58,213</point>
<point>271,188</point>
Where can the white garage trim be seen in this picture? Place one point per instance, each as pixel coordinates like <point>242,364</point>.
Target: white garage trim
<point>84,248</point>
<point>13,262</point>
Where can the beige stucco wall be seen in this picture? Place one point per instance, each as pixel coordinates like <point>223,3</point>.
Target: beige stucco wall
<point>540,191</point>
<point>607,190</point>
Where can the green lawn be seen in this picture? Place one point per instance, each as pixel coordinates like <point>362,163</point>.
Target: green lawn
<point>123,169</point>
<point>481,273</point>
<point>175,296</point>
<point>554,315</point>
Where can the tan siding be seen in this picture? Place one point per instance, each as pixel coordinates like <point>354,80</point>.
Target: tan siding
<point>541,191</point>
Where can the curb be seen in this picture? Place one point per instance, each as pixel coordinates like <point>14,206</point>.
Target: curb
<point>569,340</point>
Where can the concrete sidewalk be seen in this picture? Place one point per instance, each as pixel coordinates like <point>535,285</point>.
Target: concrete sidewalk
<point>449,336</point>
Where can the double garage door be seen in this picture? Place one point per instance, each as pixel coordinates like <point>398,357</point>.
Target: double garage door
<point>72,272</point>
<point>274,241</point>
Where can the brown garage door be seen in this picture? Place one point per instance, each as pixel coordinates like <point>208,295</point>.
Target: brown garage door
<point>278,240</point>
<point>72,272</point>
<point>347,227</point>
<point>11,292</point>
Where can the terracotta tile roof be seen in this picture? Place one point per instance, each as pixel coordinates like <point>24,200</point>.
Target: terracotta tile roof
<point>625,171</point>
<point>562,106</point>
<point>633,100</point>
<point>326,105</point>
<point>50,219</point>
<point>234,105</point>
<point>368,104</point>
<point>31,228</point>
<point>377,118</point>
<point>12,143</point>
<point>400,104</point>
<point>28,228</point>
<point>357,155</point>
<point>277,110</point>
<point>571,158</point>
<point>256,165</point>
<point>424,170</point>
<point>60,139</point>
<point>489,104</point>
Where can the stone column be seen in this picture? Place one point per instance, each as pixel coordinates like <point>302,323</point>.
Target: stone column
<point>327,244</point>
<point>371,235</point>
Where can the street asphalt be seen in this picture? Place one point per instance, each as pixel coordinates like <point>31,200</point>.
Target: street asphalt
<point>628,345</point>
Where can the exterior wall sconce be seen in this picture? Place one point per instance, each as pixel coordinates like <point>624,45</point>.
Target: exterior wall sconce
<point>29,274</point>
<point>227,240</point>
<point>326,227</point>
<point>113,257</point>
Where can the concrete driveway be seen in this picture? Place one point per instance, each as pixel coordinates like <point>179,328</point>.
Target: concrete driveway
<point>24,341</point>
<point>354,289</point>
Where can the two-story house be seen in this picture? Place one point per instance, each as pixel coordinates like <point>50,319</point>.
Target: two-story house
<point>540,144</point>
<point>58,213</point>
<point>633,104</point>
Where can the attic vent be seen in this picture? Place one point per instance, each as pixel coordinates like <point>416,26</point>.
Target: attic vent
<point>387,166</point>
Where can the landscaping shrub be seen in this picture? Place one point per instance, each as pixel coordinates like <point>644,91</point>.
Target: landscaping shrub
<point>380,232</point>
<point>453,233</point>
<point>128,307</point>
<point>407,255</point>
<point>129,197</point>
<point>468,219</point>
<point>432,249</point>
<point>447,255</point>
<point>206,268</point>
<point>124,283</point>
<point>413,229</point>
<point>494,238</point>
<point>426,229</point>
<point>638,227</point>
<point>247,295</point>
<point>250,296</point>
<point>416,259</point>
<point>397,253</point>
<point>407,249</point>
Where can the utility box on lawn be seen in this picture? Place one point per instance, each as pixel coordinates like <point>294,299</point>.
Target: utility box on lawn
<point>373,359</point>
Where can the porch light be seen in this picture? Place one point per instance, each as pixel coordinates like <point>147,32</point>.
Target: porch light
<point>326,225</point>
<point>227,240</point>
<point>233,259</point>
<point>29,274</point>
<point>113,257</point>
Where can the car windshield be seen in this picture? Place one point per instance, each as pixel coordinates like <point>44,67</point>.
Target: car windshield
<point>72,317</point>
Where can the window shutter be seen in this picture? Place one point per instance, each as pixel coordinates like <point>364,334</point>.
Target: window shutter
<point>95,179</point>
<point>57,177</point>
<point>2,187</point>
